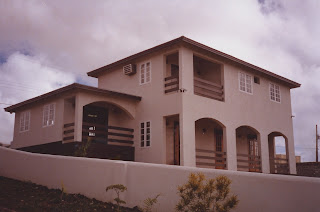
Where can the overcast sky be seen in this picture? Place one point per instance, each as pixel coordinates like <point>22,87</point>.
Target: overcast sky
<point>48,44</point>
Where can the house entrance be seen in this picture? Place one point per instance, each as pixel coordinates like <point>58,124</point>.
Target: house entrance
<point>172,140</point>
<point>95,123</point>
<point>176,140</point>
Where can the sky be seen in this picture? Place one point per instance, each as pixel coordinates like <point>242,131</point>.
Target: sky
<point>45,45</point>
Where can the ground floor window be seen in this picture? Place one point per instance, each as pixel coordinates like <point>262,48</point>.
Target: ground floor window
<point>145,134</point>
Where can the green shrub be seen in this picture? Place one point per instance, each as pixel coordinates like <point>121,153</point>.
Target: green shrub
<point>149,203</point>
<point>200,195</point>
<point>117,188</point>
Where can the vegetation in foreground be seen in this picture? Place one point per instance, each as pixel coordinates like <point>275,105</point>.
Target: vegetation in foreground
<point>201,195</point>
<point>25,196</point>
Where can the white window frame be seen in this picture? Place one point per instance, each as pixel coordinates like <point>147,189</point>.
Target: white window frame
<point>246,76</point>
<point>46,113</point>
<point>144,134</point>
<point>143,75</point>
<point>23,120</point>
<point>273,85</point>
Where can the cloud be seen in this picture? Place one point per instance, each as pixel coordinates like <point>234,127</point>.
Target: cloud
<point>78,36</point>
<point>24,77</point>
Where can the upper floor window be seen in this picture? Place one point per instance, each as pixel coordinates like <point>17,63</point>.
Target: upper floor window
<point>48,114</point>
<point>145,73</point>
<point>24,121</point>
<point>274,92</point>
<point>145,134</point>
<point>245,82</point>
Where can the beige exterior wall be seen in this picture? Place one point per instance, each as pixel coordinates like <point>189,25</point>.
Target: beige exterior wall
<point>37,134</point>
<point>90,177</point>
<point>238,108</point>
<point>69,109</point>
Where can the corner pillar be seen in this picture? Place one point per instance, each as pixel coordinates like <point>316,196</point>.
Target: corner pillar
<point>231,147</point>
<point>78,119</point>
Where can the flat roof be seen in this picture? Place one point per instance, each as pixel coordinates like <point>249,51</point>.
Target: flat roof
<point>72,87</point>
<point>192,43</point>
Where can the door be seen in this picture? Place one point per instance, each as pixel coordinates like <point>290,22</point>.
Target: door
<point>95,123</point>
<point>176,141</point>
<point>219,148</point>
<point>254,164</point>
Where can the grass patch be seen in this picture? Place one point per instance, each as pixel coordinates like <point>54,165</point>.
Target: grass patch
<point>26,196</point>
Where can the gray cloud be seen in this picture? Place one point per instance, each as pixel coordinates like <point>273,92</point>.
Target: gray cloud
<point>74,37</point>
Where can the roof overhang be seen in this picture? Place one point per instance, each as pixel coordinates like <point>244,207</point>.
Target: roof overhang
<point>191,43</point>
<point>69,88</point>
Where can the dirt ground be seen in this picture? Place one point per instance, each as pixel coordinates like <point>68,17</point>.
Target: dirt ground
<point>26,196</point>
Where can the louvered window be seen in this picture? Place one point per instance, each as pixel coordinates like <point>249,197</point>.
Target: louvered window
<point>275,92</point>
<point>245,82</point>
<point>24,121</point>
<point>145,134</point>
<point>145,73</point>
<point>48,114</point>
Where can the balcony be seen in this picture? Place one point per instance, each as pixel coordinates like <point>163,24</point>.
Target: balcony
<point>208,79</point>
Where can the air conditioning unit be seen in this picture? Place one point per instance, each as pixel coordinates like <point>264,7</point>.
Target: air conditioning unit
<point>129,69</point>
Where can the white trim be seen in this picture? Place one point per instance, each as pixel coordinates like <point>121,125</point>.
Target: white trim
<point>43,115</point>
<point>275,98</point>
<point>145,74</point>
<point>245,81</point>
<point>23,114</point>
<point>145,134</point>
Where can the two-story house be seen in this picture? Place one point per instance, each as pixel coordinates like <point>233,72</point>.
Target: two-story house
<point>179,103</point>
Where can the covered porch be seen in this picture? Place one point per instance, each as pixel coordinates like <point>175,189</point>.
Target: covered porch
<point>103,122</point>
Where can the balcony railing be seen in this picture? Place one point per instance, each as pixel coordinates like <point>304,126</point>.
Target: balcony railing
<point>109,134</point>
<point>68,132</point>
<point>208,89</point>
<point>171,84</point>
<point>211,158</point>
<point>279,166</point>
<point>250,162</point>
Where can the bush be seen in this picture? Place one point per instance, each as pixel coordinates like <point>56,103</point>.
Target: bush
<point>200,196</point>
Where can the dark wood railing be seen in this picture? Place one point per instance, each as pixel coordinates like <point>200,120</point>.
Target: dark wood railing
<point>111,134</point>
<point>208,89</point>
<point>120,135</point>
<point>279,166</point>
<point>211,158</point>
<point>250,162</point>
<point>171,84</point>
<point>68,132</point>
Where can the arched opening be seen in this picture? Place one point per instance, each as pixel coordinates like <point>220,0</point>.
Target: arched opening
<point>106,129</point>
<point>278,153</point>
<point>248,149</point>
<point>210,147</point>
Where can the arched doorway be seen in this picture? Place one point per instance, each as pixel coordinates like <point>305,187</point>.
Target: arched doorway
<point>278,153</point>
<point>106,131</point>
<point>248,149</point>
<point>210,147</point>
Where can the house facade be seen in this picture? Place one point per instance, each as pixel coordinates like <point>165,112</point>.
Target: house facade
<point>179,103</point>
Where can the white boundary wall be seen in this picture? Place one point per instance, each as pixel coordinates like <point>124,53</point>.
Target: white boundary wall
<point>90,177</point>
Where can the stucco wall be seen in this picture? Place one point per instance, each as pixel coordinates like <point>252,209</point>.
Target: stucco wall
<point>256,192</point>
<point>37,134</point>
<point>238,108</point>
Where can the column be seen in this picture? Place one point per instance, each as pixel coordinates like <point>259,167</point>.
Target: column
<point>78,119</point>
<point>187,122</point>
<point>265,163</point>
<point>231,147</point>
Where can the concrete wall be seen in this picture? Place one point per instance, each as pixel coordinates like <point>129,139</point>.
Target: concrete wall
<point>90,177</point>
